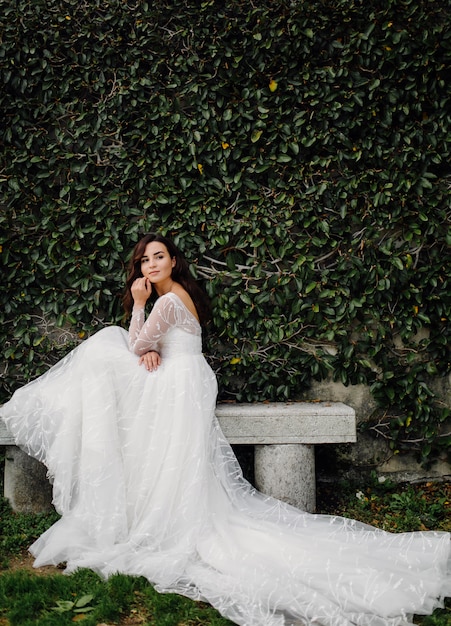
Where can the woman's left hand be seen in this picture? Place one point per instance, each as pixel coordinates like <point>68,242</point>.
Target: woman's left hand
<point>151,360</point>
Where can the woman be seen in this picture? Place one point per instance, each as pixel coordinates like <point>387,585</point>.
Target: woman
<point>147,485</point>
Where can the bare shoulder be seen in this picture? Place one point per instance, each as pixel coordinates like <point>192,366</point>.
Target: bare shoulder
<point>185,298</point>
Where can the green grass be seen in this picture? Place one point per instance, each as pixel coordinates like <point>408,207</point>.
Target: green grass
<point>390,506</point>
<point>29,598</point>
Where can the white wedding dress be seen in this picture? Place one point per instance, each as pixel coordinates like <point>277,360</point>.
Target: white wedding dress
<point>147,485</point>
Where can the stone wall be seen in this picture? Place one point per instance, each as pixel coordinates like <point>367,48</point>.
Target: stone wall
<point>373,452</point>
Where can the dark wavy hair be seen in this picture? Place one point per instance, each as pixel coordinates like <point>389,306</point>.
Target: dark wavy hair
<point>180,274</point>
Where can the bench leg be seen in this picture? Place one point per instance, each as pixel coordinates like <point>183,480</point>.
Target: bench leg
<point>287,472</point>
<point>26,486</point>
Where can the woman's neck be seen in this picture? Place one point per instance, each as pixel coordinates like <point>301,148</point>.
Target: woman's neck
<point>164,288</point>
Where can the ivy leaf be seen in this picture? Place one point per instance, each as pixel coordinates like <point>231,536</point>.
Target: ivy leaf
<point>256,134</point>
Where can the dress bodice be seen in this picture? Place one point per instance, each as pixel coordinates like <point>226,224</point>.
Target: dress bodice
<point>177,342</point>
<point>170,329</point>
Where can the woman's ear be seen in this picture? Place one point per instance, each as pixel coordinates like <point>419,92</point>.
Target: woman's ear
<point>174,261</point>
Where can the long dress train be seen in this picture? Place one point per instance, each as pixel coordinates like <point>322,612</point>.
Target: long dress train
<point>146,484</point>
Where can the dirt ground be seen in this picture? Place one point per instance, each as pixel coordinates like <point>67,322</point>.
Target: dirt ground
<point>24,561</point>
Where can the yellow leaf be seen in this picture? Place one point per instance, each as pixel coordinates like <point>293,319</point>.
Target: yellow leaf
<point>235,360</point>
<point>272,85</point>
<point>256,135</point>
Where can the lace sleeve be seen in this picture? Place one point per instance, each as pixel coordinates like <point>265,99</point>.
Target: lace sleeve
<point>144,335</point>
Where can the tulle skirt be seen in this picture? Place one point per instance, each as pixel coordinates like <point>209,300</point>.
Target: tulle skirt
<point>147,485</point>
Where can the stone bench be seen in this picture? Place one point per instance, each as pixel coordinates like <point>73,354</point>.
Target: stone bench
<point>284,435</point>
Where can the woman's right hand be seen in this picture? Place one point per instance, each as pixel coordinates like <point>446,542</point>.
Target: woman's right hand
<point>151,361</point>
<point>141,290</point>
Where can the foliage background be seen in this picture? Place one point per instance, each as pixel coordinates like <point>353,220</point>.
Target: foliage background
<point>299,154</point>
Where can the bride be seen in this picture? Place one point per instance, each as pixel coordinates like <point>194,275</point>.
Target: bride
<point>147,485</point>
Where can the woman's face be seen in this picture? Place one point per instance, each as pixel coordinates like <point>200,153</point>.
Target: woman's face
<point>156,263</point>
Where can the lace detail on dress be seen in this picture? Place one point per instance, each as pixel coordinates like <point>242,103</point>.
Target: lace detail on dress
<point>168,312</point>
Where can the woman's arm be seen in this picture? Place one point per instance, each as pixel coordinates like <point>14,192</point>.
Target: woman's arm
<point>145,335</point>
<point>151,359</point>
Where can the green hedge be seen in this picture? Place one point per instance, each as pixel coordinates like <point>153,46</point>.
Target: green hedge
<point>299,154</point>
